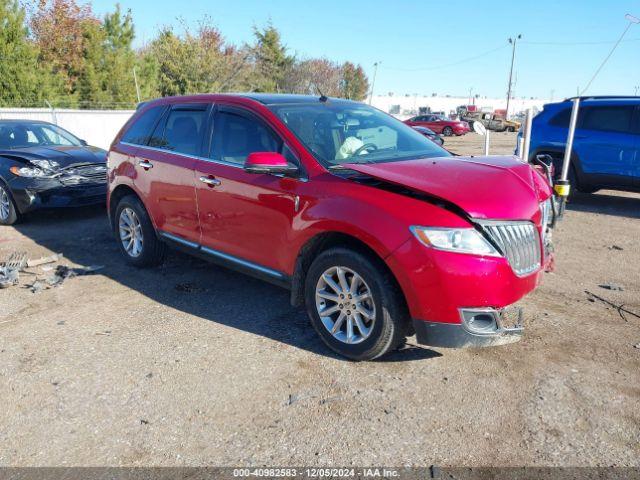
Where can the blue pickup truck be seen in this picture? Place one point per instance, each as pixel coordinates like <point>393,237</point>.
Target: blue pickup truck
<point>606,146</point>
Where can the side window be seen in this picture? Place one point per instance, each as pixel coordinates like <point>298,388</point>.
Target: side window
<point>181,131</point>
<point>561,119</point>
<point>139,132</point>
<point>607,119</point>
<point>235,136</point>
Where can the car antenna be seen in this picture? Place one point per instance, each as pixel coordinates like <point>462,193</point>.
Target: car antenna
<point>323,97</point>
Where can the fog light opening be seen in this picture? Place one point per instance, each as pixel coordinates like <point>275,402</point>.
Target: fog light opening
<point>480,322</point>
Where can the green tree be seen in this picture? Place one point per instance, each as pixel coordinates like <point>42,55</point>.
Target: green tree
<point>58,28</point>
<point>354,84</point>
<point>271,61</point>
<point>22,82</point>
<point>198,62</point>
<point>107,78</point>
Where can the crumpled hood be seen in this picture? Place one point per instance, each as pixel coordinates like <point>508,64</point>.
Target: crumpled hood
<point>64,155</point>
<point>496,187</point>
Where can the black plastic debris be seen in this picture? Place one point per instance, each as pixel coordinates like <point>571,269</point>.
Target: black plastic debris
<point>611,286</point>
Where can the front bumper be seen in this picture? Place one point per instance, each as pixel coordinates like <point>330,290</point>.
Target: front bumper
<point>486,327</point>
<point>34,193</point>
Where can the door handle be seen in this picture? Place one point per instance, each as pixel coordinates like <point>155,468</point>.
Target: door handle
<point>145,164</point>
<point>212,182</point>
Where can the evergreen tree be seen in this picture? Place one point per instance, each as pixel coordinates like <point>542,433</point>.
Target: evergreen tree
<point>22,82</point>
<point>354,84</point>
<point>271,60</point>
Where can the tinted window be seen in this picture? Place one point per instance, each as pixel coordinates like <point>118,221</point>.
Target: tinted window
<point>235,136</point>
<point>561,119</point>
<point>181,130</point>
<point>139,132</point>
<point>611,119</point>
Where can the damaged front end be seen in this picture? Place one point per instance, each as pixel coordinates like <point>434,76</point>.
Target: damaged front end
<point>45,184</point>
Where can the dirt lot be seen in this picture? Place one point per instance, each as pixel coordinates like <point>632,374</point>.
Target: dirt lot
<point>190,364</point>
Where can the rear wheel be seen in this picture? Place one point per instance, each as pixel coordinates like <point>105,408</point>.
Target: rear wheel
<point>447,131</point>
<point>8,212</point>
<point>511,129</point>
<point>136,236</point>
<point>354,304</point>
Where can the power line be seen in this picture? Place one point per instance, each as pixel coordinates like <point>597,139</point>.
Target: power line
<point>607,42</point>
<point>632,21</point>
<point>484,54</point>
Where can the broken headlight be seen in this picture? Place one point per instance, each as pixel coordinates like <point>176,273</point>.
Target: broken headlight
<point>36,168</point>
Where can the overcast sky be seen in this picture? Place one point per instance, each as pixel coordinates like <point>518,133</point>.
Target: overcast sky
<point>435,47</point>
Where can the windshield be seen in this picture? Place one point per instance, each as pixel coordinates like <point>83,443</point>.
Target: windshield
<point>24,135</point>
<point>339,132</point>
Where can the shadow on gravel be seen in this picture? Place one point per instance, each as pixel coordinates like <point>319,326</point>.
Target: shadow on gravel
<point>609,203</point>
<point>186,283</point>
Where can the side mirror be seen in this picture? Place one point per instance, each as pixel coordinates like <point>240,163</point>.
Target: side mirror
<point>83,142</point>
<point>269,162</point>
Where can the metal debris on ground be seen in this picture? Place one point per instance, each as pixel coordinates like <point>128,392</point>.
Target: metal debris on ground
<point>611,286</point>
<point>10,268</point>
<point>17,262</point>
<point>8,277</point>
<point>41,261</point>
<point>592,297</point>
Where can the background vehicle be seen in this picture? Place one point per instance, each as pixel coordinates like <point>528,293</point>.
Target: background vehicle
<point>491,121</point>
<point>606,146</point>
<point>439,124</point>
<point>430,134</point>
<point>362,217</point>
<point>43,165</point>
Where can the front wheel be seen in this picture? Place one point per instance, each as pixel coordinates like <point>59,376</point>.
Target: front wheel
<point>355,305</point>
<point>447,131</point>
<point>8,211</point>
<point>135,234</point>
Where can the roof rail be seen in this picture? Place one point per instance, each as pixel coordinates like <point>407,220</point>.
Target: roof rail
<point>602,97</point>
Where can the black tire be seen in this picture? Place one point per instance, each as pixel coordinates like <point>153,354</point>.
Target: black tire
<point>13,215</point>
<point>391,321</point>
<point>511,129</point>
<point>153,250</point>
<point>447,131</point>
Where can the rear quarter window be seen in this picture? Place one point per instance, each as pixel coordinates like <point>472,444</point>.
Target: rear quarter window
<point>140,130</point>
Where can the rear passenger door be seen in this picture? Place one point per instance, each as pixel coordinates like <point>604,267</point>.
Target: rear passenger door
<point>164,171</point>
<point>605,144</point>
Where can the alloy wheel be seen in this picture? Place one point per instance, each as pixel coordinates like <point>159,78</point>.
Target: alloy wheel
<point>130,232</point>
<point>5,204</point>
<point>345,305</point>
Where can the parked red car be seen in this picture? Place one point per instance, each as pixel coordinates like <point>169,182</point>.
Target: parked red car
<point>378,231</point>
<point>439,124</point>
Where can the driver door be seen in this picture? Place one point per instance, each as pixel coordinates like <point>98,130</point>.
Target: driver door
<point>244,217</point>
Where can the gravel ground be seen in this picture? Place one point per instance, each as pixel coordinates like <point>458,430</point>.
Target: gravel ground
<point>191,364</point>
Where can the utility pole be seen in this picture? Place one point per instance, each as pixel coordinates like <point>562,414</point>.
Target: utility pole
<point>512,41</point>
<point>373,82</point>
<point>135,79</point>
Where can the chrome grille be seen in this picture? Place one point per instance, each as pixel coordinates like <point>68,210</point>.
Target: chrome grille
<point>520,243</point>
<point>84,174</point>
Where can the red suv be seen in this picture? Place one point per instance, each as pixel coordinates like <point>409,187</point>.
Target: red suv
<point>378,231</point>
<point>439,124</point>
